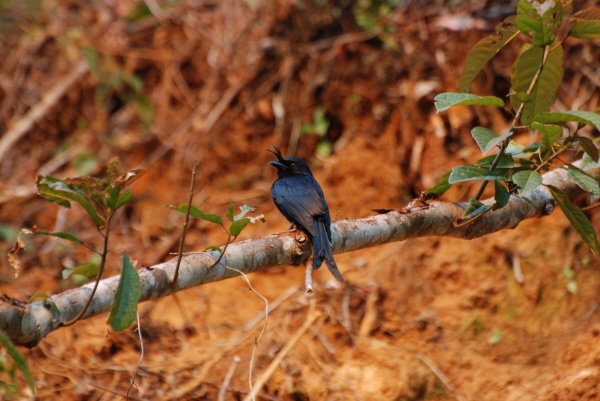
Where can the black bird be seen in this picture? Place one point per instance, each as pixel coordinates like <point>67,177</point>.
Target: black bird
<point>299,197</point>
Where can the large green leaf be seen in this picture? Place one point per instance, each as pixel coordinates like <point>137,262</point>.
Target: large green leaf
<point>584,180</point>
<point>486,139</point>
<point>587,24</point>
<point>543,93</point>
<point>129,292</point>
<point>587,163</point>
<point>578,220</point>
<point>528,180</point>
<point>484,50</point>
<point>583,117</point>
<point>20,362</point>
<point>550,133</point>
<point>539,21</point>
<point>123,198</point>
<point>444,101</point>
<point>470,173</point>
<point>48,185</point>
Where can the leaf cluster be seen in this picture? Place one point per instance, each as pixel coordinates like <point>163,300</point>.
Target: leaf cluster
<point>238,221</point>
<point>536,75</point>
<point>100,198</point>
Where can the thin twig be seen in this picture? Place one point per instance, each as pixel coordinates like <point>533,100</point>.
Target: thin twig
<point>228,377</point>
<point>139,329</point>
<point>313,315</point>
<point>100,271</point>
<point>590,207</point>
<point>185,224</point>
<point>113,391</point>
<point>262,332</point>
<point>441,376</point>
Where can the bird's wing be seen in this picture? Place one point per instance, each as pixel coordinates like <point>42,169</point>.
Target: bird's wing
<point>300,199</point>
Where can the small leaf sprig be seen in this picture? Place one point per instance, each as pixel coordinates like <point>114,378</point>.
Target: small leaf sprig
<point>100,198</point>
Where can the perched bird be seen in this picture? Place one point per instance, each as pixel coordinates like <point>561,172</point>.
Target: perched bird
<point>299,197</point>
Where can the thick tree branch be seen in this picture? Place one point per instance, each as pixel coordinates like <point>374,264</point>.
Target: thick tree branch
<point>28,324</point>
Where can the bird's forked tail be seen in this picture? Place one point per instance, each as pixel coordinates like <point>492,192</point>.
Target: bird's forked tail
<point>322,250</point>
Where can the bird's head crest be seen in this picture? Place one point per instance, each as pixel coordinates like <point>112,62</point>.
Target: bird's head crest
<point>277,153</point>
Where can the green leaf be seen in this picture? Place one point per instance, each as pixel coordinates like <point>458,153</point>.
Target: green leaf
<point>588,147</point>
<point>441,187</point>
<point>469,173</point>
<point>578,220</point>
<point>586,30</point>
<point>539,21</point>
<point>501,197</point>
<point>532,148</point>
<point>49,185</point>
<point>111,195</point>
<point>199,214</point>
<point>550,133</point>
<point>444,101</point>
<point>505,162</point>
<point>20,362</point>
<point>237,226</point>
<point>244,209</point>
<point>527,180</point>
<point>55,199</point>
<point>543,93</point>
<point>486,139</point>
<point>587,25</point>
<point>484,50</point>
<point>582,117</point>
<point>587,163</point>
<point>229,213</point>
<point>123,198</point>
<point>129,292</point>
<point>584,180</point>
<point>475,207</point>
<point>87,270</point>
<point>62,235</point>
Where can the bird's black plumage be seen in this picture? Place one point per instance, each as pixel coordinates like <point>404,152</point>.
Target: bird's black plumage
<point>299,197</point>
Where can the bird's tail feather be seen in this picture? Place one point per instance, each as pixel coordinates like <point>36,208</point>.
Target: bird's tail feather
<point>322,250</point>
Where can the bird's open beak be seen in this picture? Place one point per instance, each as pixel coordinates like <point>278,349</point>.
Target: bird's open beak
<point>278,165</point>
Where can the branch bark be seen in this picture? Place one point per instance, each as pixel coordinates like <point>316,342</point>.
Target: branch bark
<point>28,324</point>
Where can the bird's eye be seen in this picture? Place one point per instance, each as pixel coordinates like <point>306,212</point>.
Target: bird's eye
<point>293,165</point>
